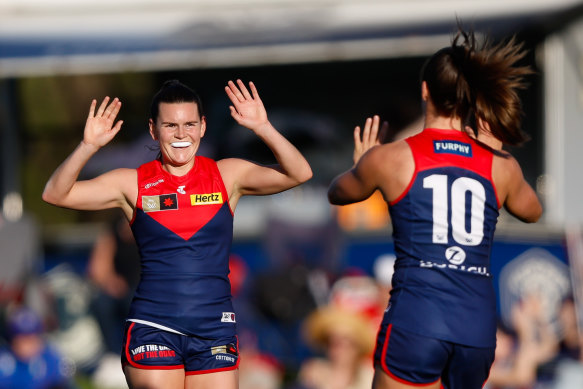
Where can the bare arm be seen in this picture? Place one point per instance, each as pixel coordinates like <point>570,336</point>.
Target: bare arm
<point>359,183</point>
<point>354,185</point>
<point>247,178</point>
<point>106,191</point>
<point>518,197</point>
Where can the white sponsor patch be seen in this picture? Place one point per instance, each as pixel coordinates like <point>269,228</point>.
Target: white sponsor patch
<point>455,255</point>
<point>151,184</point>
<point>228,317</point>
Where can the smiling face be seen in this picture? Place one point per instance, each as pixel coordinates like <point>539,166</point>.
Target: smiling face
<point>179,129</point>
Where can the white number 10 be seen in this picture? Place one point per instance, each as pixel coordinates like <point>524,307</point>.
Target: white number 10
<point>459,188</point>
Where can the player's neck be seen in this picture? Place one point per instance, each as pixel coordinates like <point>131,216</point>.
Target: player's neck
<point>442,122</point>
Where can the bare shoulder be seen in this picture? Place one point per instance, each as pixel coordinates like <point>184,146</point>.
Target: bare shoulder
<point>231,167</point>
<point>393,152</point>
<point>396,155</point>
<point>505,167</point>
<point>229,163</point>
<point>506,174</point>
<point>391,166</point>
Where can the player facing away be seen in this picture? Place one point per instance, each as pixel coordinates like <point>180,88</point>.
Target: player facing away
<point>180,331</point>
<point>444,187</point>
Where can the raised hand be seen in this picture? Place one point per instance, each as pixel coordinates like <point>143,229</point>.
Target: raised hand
<point>371,136</point>
<point>99,128</point>
<point>247,108</point>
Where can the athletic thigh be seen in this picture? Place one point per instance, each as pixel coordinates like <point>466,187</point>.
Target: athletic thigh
<point>223,379</point>
<point>154,379</point>
<point>382,380</point>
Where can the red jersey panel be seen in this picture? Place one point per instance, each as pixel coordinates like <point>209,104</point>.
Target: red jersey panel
<point>184,228</point>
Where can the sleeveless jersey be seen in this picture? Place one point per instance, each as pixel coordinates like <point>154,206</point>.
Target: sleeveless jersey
<point>183,227</point>
<point>443,227</point>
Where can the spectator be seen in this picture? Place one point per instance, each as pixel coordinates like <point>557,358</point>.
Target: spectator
<point>114,268</point>
<point>344,330</point>
<point>567,367</point>
<point>29,361</point>
<point>518,359</point>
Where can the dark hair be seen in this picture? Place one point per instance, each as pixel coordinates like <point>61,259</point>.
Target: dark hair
<point>173,91</point>
<point>482,83</point>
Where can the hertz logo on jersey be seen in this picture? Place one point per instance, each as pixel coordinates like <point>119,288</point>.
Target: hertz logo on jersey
<point>206,198</point>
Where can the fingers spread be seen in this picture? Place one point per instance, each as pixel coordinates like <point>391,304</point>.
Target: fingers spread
<point>244,90</point>
<point>357,140</point>
<point>234,92</point>
<point>366,131</point>
<point>254,91</point>
<point>92,109</point>
<point>112,109</point>
<point>374,131</point>
<point>103,106</point>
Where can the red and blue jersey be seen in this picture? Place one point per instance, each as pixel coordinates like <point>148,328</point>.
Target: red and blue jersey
<point>183,227</point>
<point>443,227</point>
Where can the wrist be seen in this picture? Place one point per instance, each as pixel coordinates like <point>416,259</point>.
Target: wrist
<point>90,147</point>
<point>264,129</point>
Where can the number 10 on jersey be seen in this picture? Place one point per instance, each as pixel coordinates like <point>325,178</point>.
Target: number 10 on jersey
<point>454,197</point>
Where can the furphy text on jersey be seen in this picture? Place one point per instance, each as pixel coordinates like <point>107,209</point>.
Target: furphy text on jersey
<point>452,147</point>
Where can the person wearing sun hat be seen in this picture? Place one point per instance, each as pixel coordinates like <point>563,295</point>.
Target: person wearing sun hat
<point>344,331</point>
<point>330,321</point>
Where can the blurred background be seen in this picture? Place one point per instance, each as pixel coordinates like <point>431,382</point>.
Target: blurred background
<point>321,67</point>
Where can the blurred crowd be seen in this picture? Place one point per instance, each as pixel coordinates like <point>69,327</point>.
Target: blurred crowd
<point>304,322</point>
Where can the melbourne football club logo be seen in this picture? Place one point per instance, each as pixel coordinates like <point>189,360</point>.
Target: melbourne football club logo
<point>455,255</point>
<point>159,203</point>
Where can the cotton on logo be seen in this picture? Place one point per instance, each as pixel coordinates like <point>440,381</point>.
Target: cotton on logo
<point>455,255</point>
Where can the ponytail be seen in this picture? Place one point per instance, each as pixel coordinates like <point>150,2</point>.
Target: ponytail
<point>479,84</point>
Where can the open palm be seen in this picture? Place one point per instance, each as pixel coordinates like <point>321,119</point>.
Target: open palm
<point>247,108</point>
<point>99,128</point>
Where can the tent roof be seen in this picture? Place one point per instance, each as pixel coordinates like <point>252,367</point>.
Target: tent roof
<point>40,37</point>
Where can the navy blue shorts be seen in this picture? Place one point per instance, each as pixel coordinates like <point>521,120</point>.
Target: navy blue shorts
<point>147,347</point>
<point>418,360</point>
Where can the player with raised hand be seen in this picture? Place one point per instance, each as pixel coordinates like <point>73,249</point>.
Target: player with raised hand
<point>444,187</point>
<point>180,331</point>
